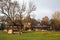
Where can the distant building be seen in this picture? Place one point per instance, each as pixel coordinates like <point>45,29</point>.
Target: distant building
<point>39,28</point>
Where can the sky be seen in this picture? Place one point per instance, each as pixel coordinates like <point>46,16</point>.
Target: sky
<point>44,7</point>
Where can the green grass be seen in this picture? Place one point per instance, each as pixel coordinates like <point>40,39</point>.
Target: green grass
<point>31,36</point>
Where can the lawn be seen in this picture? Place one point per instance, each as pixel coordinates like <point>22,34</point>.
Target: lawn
<point>31,36</point>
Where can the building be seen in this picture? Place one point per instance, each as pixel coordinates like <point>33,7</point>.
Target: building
<point>40,28</point>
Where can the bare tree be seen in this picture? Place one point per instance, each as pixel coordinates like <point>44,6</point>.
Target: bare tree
<point>56,15</point>
<point>21,10</point>
<point>10,9</point>
<point>31,8</point>
<point>55,21</point>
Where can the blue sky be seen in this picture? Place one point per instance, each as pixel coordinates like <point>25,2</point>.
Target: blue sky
<point>45,7</point>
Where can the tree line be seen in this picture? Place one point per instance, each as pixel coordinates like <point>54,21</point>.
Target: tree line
<point>19,15</point>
